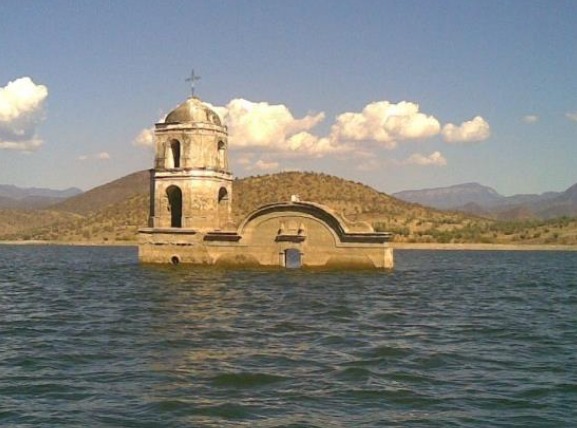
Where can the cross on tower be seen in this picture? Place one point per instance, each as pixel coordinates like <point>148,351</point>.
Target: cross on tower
<point>192,79</point>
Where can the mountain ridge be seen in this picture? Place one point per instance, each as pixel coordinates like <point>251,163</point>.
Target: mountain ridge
<point>16,192</point>
<point>487,201</point>
<point>30,198</point>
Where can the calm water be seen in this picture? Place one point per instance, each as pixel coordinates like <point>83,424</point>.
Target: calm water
<point>89,338</point>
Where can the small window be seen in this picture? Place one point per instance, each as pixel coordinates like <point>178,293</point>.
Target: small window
<point>175,151</point>
<point>221,155</point>
<point>292,258</point>
<point>222,195</point>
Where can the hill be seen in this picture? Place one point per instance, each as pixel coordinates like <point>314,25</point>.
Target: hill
<point>103,196</point>
<point>485,201</point>
<point>115,211</point>
<point>453,197</point>
<point>15,192</point>
<point>13,197</point>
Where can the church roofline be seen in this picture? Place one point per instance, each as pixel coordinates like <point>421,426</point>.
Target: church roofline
<point>336,222</point>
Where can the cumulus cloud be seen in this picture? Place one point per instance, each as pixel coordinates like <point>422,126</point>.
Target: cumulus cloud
<point>386,123</point>
<point>530,118</point>
<point>571,116</point>
<point>145,138</point>
<point>21,110</point>
<point>434,159</point>
<point>254,125</point>
<point>473,130</point>
<point>264,135</point>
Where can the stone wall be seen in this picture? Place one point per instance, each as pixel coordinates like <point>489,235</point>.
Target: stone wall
<point>316,238</point>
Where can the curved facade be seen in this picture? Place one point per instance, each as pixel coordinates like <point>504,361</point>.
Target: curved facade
<point>191,193</point>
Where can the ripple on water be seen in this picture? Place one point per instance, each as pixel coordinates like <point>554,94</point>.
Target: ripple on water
<point>90,338</point>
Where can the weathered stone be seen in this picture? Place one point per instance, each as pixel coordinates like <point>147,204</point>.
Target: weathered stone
<point>190,211</point>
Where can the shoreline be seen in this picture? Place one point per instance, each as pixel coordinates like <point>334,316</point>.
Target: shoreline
<point>75,243</point>
<point>393,245</point>
<point>482,247</point>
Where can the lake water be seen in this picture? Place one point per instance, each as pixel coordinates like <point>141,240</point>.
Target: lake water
<point>90,338</point>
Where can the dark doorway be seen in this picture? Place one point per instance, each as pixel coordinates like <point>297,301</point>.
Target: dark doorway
<point>292,258</point>
<point>175,205</point>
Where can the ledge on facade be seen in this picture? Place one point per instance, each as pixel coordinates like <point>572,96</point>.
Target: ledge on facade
<point>222,236</point>
<point>172,230</point>
<point>368,237</point>
<point>187,172</point>
<point>290,238</point>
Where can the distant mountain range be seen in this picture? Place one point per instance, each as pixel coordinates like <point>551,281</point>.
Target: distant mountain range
<point>13,197</point>
<point>474,198</point>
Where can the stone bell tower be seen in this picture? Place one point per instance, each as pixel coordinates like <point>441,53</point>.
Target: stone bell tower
<point>191,185</point>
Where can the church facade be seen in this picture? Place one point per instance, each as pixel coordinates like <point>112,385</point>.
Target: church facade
<point>191,202</point>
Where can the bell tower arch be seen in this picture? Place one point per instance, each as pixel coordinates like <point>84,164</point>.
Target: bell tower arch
<point>191,184</point>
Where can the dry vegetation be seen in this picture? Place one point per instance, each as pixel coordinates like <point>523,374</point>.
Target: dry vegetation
<point>114,212</point>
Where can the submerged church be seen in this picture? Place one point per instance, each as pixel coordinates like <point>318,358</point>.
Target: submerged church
<point>190,217</point>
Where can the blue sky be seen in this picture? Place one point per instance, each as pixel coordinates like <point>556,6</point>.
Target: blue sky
<point>395,94</point>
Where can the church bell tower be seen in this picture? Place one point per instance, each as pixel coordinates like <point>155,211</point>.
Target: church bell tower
<point>191,184</point>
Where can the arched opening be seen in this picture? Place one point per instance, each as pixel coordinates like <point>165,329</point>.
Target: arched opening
<point>223,207</point>
<point>292,258</point>
<point>175,260</point>
<point>175,205</point>
<point>222,195</point>
<point>221,155</point>
<point>175,153</point>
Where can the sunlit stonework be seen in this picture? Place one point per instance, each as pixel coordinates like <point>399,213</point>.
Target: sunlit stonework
<point>190,210</point>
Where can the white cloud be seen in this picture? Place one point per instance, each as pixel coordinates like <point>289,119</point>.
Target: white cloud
<point>20,98</point>
<point>145,138</point>
<point>97,156</point>
<point>530,118</point>
<point>265,135</point>
<point>571,116</point>
<point>263,125</point>
<point>263,165</point>
<point>386,123</point>
<point>473,130</point>
<point>29,145</point>
<point>21,103</point>
<point>435,159</point>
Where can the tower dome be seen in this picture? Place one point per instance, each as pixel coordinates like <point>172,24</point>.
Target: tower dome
<point>193,110</point>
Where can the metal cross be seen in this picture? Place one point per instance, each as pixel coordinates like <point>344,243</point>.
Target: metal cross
<point>192,79</point>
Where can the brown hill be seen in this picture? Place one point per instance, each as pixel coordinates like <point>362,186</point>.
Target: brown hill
<point>20,224</point>
<point>108,194</point>
<point>356,201</point>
